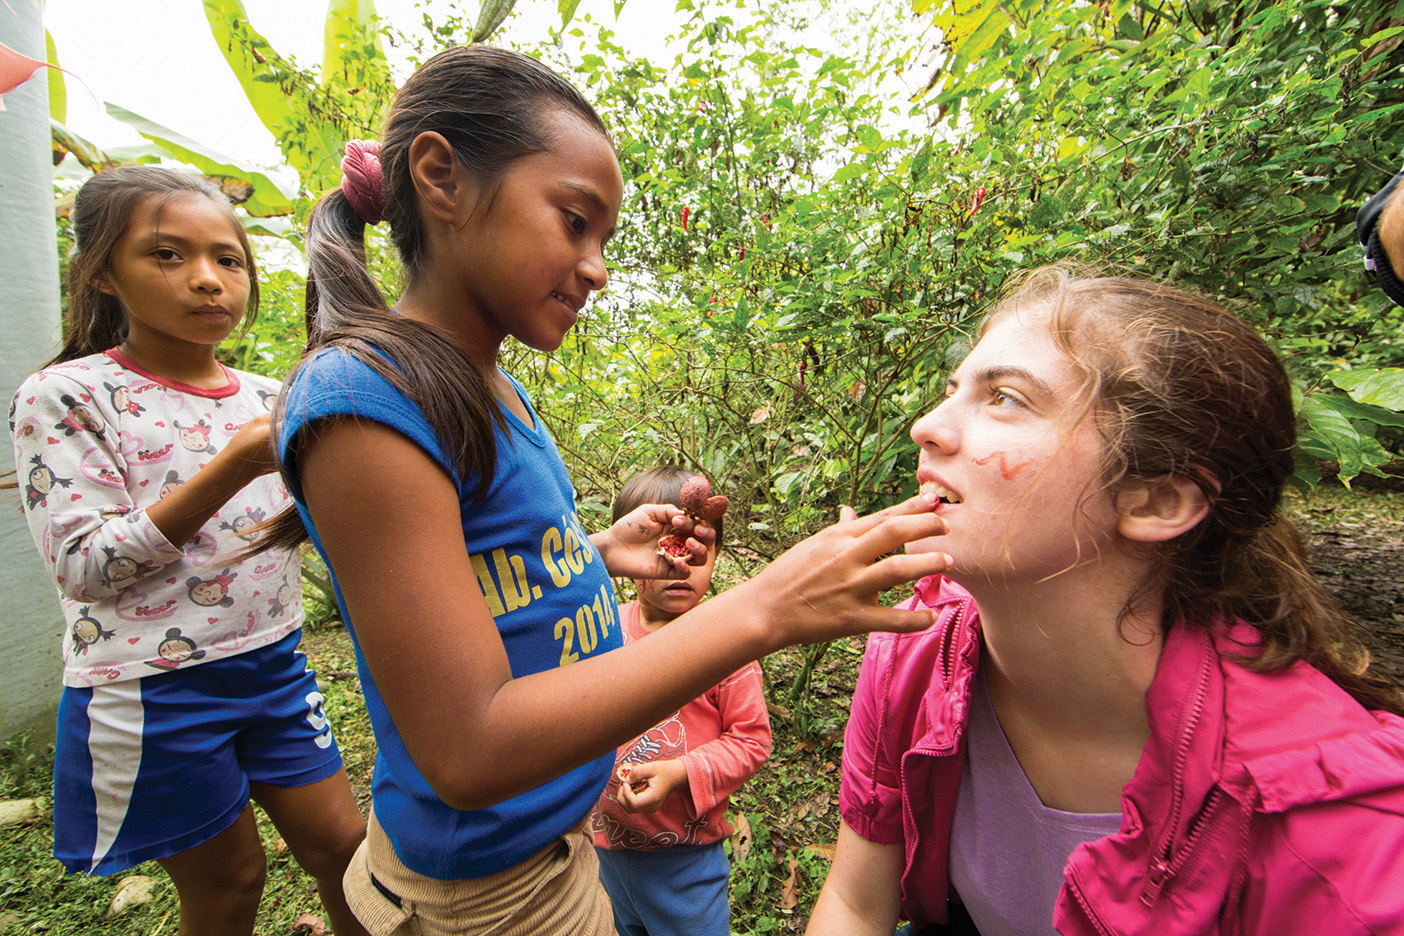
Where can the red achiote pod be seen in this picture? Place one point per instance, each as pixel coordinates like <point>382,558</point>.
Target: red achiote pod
<point>976,201</point>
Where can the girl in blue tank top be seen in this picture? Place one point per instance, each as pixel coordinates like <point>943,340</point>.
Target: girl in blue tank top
<point>481,610</point>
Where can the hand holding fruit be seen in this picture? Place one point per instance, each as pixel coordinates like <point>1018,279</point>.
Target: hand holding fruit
<point>644,788</point>
<point>699,504</point>
<point>630,547</point>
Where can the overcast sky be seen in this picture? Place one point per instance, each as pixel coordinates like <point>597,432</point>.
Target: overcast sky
<point>158,59</point>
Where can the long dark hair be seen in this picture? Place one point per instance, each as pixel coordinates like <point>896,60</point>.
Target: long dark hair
<point>102,209</point>
<point>491,105</point>
<point>1179,386</point>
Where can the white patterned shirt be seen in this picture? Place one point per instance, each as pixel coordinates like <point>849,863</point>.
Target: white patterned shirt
<point>97,441</point>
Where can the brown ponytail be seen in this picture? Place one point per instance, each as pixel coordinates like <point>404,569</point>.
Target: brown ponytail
<point>490,105</point>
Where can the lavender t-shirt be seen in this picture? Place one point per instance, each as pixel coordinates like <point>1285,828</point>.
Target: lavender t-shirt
<point>1007,849</point>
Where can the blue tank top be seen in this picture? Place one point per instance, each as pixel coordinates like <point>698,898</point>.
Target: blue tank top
<point>545,584</point>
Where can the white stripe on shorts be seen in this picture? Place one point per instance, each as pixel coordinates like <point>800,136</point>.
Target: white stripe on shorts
<point>115,721</point>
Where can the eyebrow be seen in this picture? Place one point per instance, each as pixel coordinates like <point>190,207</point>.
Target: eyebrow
<point>1002,371</point>
<point>162,237</point>
<point>593,197</point>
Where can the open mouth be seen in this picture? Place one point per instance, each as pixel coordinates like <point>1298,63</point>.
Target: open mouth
<point>574,305</point>
<point>943,494</point>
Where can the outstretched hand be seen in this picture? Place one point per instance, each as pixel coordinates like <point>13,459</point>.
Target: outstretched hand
<point>827,586</point>
<point>630,547</point>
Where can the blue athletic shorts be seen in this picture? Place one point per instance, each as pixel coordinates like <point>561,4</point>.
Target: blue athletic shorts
<point>147,768</point>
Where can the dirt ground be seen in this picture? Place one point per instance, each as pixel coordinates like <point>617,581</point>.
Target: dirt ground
<point>1356,545</point>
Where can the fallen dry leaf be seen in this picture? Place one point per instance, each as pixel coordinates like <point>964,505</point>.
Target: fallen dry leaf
<point>789,898</point>
<point>309,924</point>
<point>16,812</point>
<point>280,846</point>
<point>740,838</point>
<point>132,892</point>
<point>824,850</point>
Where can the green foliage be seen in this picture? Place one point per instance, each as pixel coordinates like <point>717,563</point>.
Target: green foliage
<point>490,15</point>
<point>58,90</point>
<point>253,191</point>
<point>780,319</point>
<point>1225,147</point>
<point>311,119</point>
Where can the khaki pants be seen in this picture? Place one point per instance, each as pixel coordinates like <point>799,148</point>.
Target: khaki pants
<point>556,892</point>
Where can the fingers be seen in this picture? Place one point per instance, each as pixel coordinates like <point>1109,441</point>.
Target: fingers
<point>897,531</point>
<point>920,504</point>
<point>904,567</point>
<point>847,514</point>
<point>896,620</point>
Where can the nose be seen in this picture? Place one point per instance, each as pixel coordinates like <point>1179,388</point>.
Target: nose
<point>204,276</point>
<point>936,430</point>
<point>592,268</point>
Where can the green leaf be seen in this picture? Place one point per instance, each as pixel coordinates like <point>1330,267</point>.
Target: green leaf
<point>1376,386</point>
<point>1382,35</point>
<point>1375,414</point>
<point>270,103</point>
<point>490,16</point>
<point>350,26</point>
<point>1330,428</point>
<point>567,9</point>
<point>58,91</point>
<point>267,198</point>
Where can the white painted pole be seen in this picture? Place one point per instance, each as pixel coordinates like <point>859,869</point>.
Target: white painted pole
<point>30,621</point>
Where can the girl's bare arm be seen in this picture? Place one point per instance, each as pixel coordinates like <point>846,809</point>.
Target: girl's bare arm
<point>477,734</point>
<point>863,889</point>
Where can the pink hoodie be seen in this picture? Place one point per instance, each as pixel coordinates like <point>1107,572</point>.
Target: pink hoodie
<point>1263,802</point>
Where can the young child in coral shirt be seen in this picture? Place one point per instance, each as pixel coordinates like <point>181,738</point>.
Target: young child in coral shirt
<point>660,823</point>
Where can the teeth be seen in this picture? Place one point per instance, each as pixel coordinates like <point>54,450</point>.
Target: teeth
<point>931,487</point>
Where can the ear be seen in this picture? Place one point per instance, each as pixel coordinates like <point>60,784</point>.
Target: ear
<point>446,193</point>
<point>104,285</point>
<point>1155,510</point>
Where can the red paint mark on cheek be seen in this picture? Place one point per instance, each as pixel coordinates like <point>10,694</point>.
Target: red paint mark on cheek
<point>1010,472</point>
<point>1006,470</point>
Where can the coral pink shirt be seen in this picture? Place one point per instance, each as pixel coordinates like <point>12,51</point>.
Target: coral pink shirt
<point>722,738</point>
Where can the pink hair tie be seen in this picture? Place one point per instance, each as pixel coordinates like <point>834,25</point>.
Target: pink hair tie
<point>361,180</point>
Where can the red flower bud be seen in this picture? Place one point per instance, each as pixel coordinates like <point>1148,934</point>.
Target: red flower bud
<point>687,210</point>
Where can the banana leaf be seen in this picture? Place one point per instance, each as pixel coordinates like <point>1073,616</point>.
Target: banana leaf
<point>349,23</point>
<point>258,194</point>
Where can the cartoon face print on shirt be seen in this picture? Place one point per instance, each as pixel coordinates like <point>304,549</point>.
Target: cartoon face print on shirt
<point>212,592</point>
<point>278,604</point>
<point>195,438</point>
<point>122,400</point>
<point>173,481</point>
<point>267,398</point>
<point>120,571</point>
<point>242,526</point>
<point>79,418</point>
<point>41,481</point>
<point>88,631</point>
<point>174,650</point>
